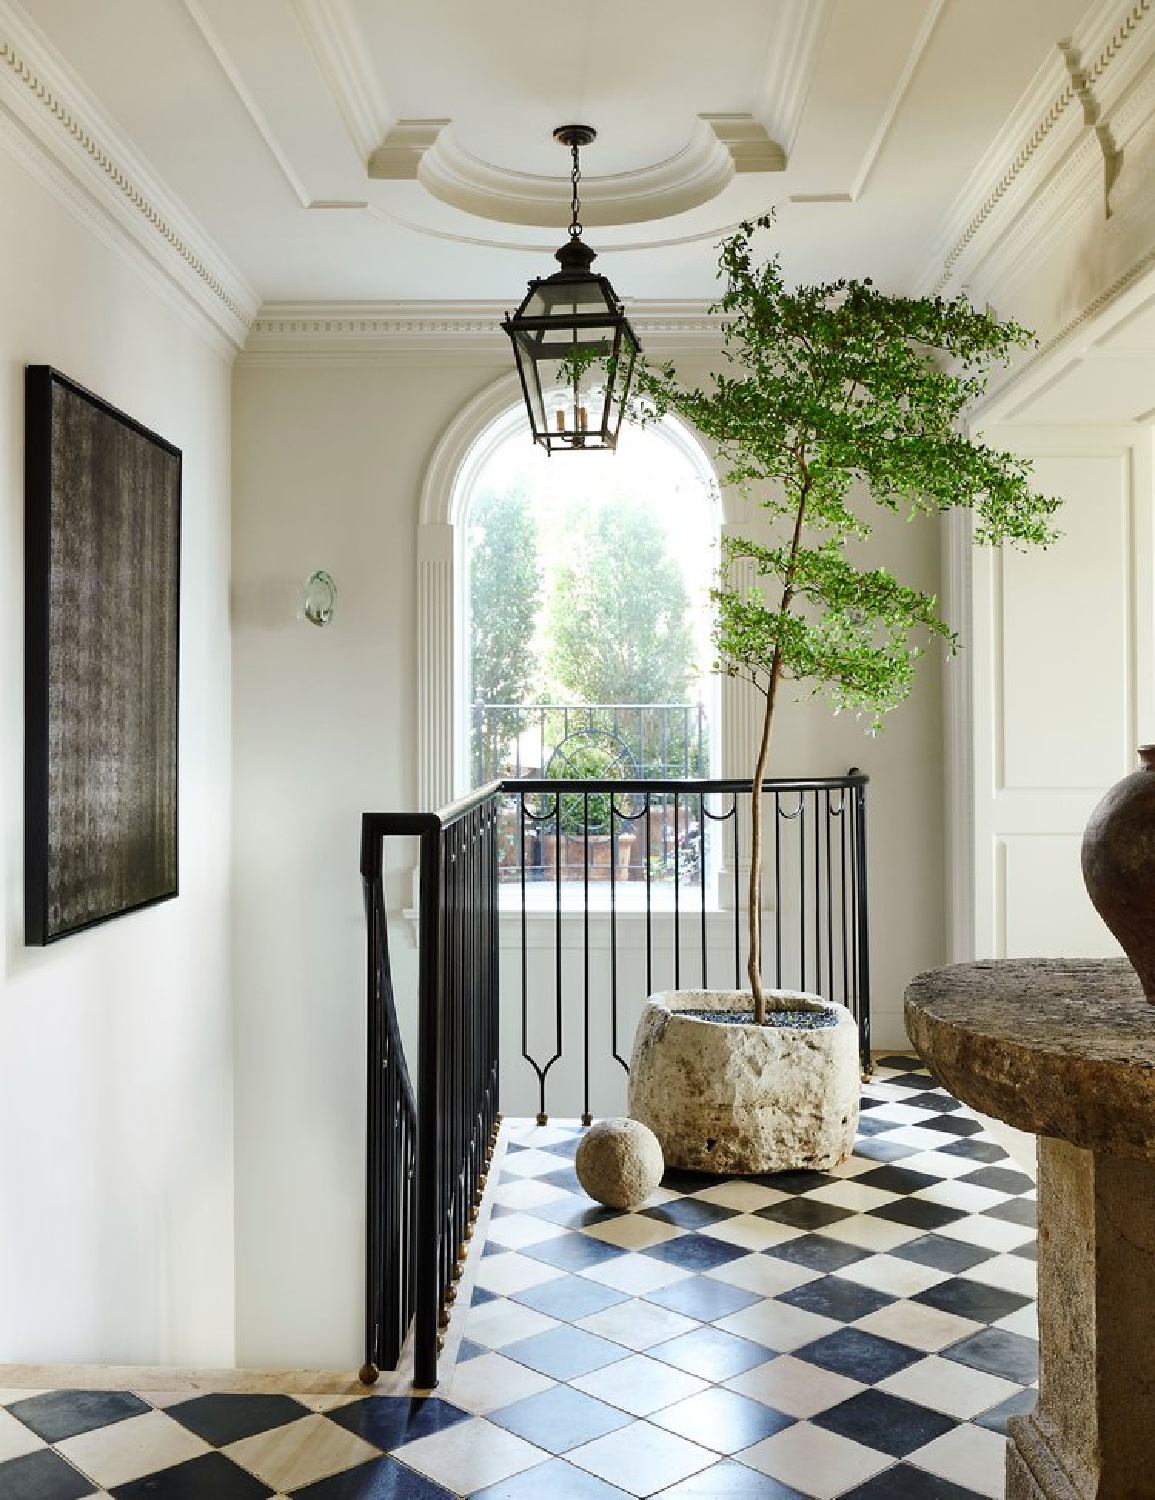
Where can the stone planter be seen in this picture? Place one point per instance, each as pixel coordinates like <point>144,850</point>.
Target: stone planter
<point>735,1097</point>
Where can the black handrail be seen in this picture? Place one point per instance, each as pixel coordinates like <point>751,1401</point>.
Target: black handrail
<point>428,1159</point>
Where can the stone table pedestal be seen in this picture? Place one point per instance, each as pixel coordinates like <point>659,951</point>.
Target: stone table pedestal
<point>1065,1049</point>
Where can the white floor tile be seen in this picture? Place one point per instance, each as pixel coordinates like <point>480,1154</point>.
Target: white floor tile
<point>636,1274</point>
<point>496,1323</point>
<point>531,1163</point>
<point>515,1231</point>
<point>890,1273</point>
<point>633,1232</point>
<point>130,1449</point>
<point>1024,1322</point>
<point>751,1233</point>
<point>943,1385</point>
<point>913,1135</point>
<point>853,1166</point>
<point>640,1385</point>
<point>746,1197</point>
<point>641,1459</point>
<point>637,1324</point>
<point>470,1455</point>
<point>529,1133</point>
<point>968,1196</point>
<point>483,1384</point>
<point>763,1275</point>
<point>901,1114</point>
<point>851,1194</point>
<point>15,1438</point>
<point>778,1325</point>
<point>818,1462</point>
<point>990,1234</point>
<point>973,1457</point>
<point>1011,1272</point>
<point>792,1386</point>
<point>871,1234</point>
<point>300,1453</point>
<point>10,1395</point>
<point>526,1193</point>
<point>510,1272</point>
<point>939,1164</point>
<point>917,1326</point>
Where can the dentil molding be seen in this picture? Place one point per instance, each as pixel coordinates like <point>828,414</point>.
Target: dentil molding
<point>63,136</point>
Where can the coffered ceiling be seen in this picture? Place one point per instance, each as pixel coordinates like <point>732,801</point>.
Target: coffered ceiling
<point>388,150</point>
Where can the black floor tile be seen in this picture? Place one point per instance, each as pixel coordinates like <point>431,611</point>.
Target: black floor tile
<point>480,1296</point>
<point>795,1182</point>
<point>804,1213</point>
<point>42,1476</point>
<point>858,1354</point>
<point>559,1419</point>
<point>695,1252</point>
<point>703,1298</point>
<point>971,1299</point>
<point>1029,1251</point>
<point>818,1253</point>
<point>1018,1405</point>
<point>57,1415</point>
<point>576,1212</point>
<point>976,1150</point>
<point>901,1062</point>
<point>728,1481</point>
<point>569,1298</point>
<point>221,1419</point>
<point>721,1420</point>
<point>212,1474</point>
<point>896,1179</point>
<point>1001,1179</point>
<point>885,1422</point>
<point>688,1213</point>
<point>918,1081</point>
<point>565,1353</point>
<point>868,1125</point>
<point>951,1125</point>
<point>917,1213</point>
<point>835,1297</point>
<point>572,1252</point>
<point>390,1421</point>
<point>904,1482</point>
<point>1023,1211</point>
<point>998,1352</point>
<point>875,1148</point>
<point>942,1253</point>
<point>381,1479</point>
<point>467,1349</point>
<point>676,1180</point>
<point>565,1177</point>
<point>936,1100</point>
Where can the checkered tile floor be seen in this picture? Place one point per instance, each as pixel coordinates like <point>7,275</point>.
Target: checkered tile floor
<point>862,1334</point>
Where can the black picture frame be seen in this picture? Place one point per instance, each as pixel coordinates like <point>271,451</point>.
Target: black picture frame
<point>102,660</point>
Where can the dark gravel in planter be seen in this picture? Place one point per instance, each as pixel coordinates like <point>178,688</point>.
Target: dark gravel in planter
<point>792,1020</point>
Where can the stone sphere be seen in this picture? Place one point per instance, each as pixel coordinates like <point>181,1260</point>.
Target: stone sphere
<point>619,1162</point>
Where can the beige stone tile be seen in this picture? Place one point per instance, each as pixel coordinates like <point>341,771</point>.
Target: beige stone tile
<point>127,1450</point>
<point>746,1197</point>
<point>778,1325</point>
<point>890,1273</point>
<point>871,1234</point>
<point>637,1324</point>
<point>483,1384</point>
<point>953,1389</point>
<point>973,1457</point>
<point>763,1275</point>
<point>820,1463</point>
<point>633,1232</point>
<point>15,1438</point>
<point>301,1452</point>
<point>794,1387</point>
<point>470,1455</point>
<point>1010,1272</point>
<point>917,1326</point>
<point>751,1233</point>
<point>641,1458</point>
<point>640,1385</point>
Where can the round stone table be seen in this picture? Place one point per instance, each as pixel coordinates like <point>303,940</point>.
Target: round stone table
<point>1065,1049</point>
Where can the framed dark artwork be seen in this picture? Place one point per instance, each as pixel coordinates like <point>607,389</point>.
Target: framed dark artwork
<point>101,660</point>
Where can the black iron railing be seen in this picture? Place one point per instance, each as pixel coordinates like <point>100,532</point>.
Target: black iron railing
<point>638,739</point>
<point>422,1202</point>
<point>660,869</point>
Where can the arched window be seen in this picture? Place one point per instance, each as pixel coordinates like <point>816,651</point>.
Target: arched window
<point>487,450</point>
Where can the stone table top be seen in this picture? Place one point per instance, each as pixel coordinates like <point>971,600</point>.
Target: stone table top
<point>1058,1047</point>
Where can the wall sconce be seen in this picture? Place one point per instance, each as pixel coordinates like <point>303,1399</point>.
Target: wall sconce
<point>320,598</point>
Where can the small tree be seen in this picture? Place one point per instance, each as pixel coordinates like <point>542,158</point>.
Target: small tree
<point>837,394</point>
<point>617,621</point>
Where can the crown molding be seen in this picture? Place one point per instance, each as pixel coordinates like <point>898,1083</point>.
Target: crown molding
<point>792,64</point>
<point>1081,90</point>
<point>379,332</point>
<point>64,137</point>
<point>333,34</point>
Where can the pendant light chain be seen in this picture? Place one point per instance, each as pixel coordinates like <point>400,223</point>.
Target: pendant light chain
<point>575,227</point>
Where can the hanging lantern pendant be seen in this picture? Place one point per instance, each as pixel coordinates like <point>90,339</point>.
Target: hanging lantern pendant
<point>573,343</point>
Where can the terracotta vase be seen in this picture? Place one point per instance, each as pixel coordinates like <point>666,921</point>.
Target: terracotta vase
<point>1119,865</point>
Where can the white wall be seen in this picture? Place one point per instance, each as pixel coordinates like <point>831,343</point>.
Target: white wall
<point>116,1131</point>
<point>330,453</point>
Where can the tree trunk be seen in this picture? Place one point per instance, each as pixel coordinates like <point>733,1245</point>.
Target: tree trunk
<point>754,902</point>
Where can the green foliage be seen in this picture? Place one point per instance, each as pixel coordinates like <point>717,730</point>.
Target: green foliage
<point>617,623</point>
<point>505,583</point>
<point>588,755</point>
<point>838,394</point>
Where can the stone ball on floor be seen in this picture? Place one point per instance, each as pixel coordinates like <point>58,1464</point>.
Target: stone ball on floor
<point>619,1162</point>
